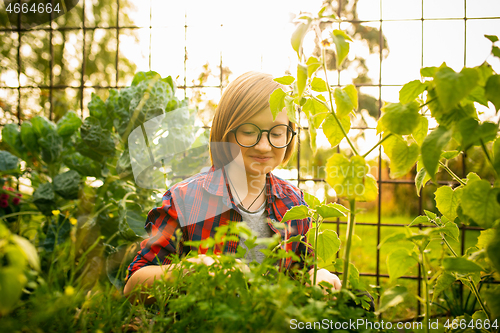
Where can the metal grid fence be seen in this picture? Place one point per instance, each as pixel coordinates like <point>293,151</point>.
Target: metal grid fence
<point>383,181</point>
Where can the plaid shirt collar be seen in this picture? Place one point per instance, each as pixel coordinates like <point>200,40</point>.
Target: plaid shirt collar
<point>216,183</point>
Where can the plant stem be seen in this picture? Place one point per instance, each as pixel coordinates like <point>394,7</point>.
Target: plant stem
<point>20,213</point>
<point>316,233</point>
<point>331,103</point>
<point>349,234</point>
<point>452,173</point>
<point>378,144</point>
<point>426,291</point>
<point>473,287</point>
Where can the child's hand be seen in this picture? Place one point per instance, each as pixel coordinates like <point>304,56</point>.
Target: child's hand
<point>324,275</point>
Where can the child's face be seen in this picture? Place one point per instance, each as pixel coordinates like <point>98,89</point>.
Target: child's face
<point>262,158</point>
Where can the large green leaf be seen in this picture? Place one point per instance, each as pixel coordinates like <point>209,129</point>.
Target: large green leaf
<point>8,162</point>
<point>491,90</point>
<point>472,133</point>
<point>328,243</point>
<point>331,210</point>
<point>392,297</point>
<point>28,249</point>
<point>44,198</point>
<point>131,225</point>
<point>318,84</point>
<point>84,165</point>
<point>332,130</point>
<point>493,250</point>
<point>12,137</point>
<point>346,100</point>
<point>316,111</point>
<point>411,90</point>
<point>298,36</point>
<point>420,131</point>
<point>432,147</point>
<point>444,281</point>
<point>12,281</point>
<point>399,262</point>
<point>296,213</point>
<point>67,184</point>
<point>28,137</point>
<point>68,124</point>
<point>448,200</point>
<point>340,39</point>
<point>421,178</point>
<point>52,146</point>
<point>286,80</point>
<point>56,233</point>
<point>97,139</point>
<point>301,79</point>
<point>277,102</point>
<point>312,65</point>
<point>350,178</point>
<point>97,108</point>
<point>461,265</point>
<point>311,200</point>
<point>480,202</point>
<point>452,87</point>
<point>496,155</point>
<point>400,118</point>
<point>403,158</point>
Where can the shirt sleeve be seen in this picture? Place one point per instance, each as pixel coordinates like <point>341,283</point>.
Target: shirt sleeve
<point>161,224</point>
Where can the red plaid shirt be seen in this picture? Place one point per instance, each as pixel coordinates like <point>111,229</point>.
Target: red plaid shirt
<point>201,203</point>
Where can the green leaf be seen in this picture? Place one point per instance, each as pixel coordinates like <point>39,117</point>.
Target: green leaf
<point>68,124</point>
<point>420,131</point>
<point>312,109</point>
<point>311,200</point>
<point>301,79</point>
<point>393,238</point>
<point>450,154</point>
<point>444,281</point>
<point>131,225</point>
<point>328,243</point>
<point>44,198</point>
<point>277,102</point>
<point>492,38</point>
<point>12,281</point>
<point>472,133</point>
<point>421,179</point>
<point>394,113</point>
<point>346,99</point>
<point>452,87</point>
<point>411,90</point>
<point>479,202</point>
<point>145,76</point>
<point>332,130</point>
<point>491,91</point>
<point>312,65</point>
<point>430,214</point>
<point>42,126</point>
<point>399,262</point>
<point>428,71</point>
<point>492,298</point>
<point>448,200</point>
<point>290,109</point>
<point>8,162</point>
<point>340,39</point>
<point>403,158</point>
<point>67,184</point>
<point>298,36</point>
<point>97,139</point>
<point>495,50</point>
<point>451,230</point>
<point>286,80</point>
<point>296,213</point>
<point>28,249</point>
<point>420,220</point>
<point>56,233</point>
<point>350,178</point>
<point>432,147</point>
<point>28,137</point>
<point>392,297</point>
<point>461,265</point>
<point>52,147</point>
<point>12,137</point>
<point>97,108</point>
<point>496,155</point>
<point>329,210</point>
<point>493,250</point>
<point>318,84</point>
<point>85,166</point>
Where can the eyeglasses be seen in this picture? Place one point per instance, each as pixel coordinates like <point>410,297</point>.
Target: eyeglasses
<point>248,135</point>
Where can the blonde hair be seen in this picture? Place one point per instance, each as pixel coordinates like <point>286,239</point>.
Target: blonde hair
<point>246,96</point>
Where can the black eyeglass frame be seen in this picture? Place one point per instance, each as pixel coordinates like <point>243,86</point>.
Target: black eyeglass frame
<point>260,135</point>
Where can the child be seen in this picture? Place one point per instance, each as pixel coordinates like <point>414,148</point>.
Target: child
<point>246,144</point>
